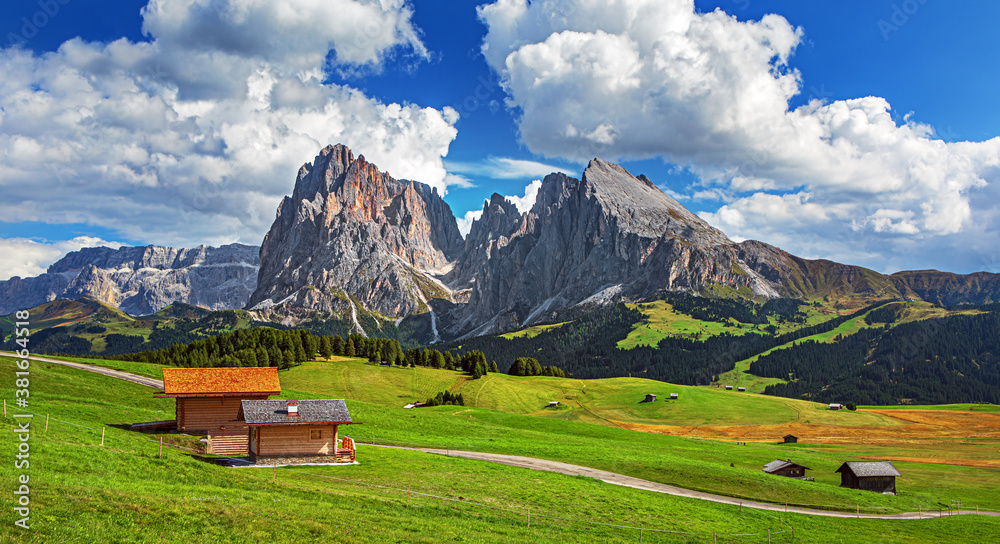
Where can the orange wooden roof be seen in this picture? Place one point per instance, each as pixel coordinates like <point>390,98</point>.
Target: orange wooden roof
<point>220,381</point>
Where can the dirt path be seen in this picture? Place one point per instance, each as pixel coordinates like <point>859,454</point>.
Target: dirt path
<point>637,483</point>
<point>134,378</point>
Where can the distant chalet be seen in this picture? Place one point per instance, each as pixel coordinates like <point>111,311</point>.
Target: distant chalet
<point>293,428</point>
<point>208,402</point>
<point>790,439</point>
<point>786,468</point>
<point>879,476</point>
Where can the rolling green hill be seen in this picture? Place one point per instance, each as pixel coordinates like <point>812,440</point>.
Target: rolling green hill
<point>123,492</point>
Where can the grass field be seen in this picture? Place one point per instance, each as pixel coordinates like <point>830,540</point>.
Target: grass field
<point>726,417</point>
<point>122,492</point>
<point>531,332</point>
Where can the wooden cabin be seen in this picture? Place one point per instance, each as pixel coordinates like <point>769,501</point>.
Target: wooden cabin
<point>879,476</point>
<point>836,406</point>
<point>294,428</point>
<point>729,388</point>
<point>208,402</point>
<point>650,398</point>
<point>790,439</point>
<point>786,468</point>
<point>741,388</point>
<point>673,396</point>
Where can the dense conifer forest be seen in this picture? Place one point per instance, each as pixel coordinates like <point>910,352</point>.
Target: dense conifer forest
<point>935,361</point>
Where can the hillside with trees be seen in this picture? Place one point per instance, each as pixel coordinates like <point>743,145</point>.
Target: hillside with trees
<point>935,361</point>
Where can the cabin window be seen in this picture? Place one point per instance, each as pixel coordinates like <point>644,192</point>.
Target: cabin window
<point>315,434</point>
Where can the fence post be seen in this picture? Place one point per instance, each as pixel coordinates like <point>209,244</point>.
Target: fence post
<point>715,538</point>
<point>529,516</point>
<point>640,533</point>
<point>859,509</point>
<point>768,536</point>
<point>274,474</point>
<point>4,407</point>
<point>102,436</point>
<point>160,455</point>
<point>919,515</point>
<point>46,422</point>
<point>407,496</point>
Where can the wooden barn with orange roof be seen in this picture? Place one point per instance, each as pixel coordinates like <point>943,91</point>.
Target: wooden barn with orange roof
<point>209,400</point>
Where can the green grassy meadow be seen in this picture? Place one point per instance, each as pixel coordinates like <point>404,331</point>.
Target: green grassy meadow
<point>122,492</point>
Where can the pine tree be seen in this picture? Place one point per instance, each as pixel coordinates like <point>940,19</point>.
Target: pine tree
<point>325,349</point>
<point>349,350</point>
<point>337,345</point>
<point>287,359</point>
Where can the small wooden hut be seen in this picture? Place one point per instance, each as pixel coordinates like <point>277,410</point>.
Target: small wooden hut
<point>292,428</point>
<point>878,476</point>
<point>673,396</point>
<point>729,388</point>
<point>741,388</point>
<point>650,398</point>
<point>790,439</point>
<point>835,406</point>
<point>208,402</point>
<point>786,468</point>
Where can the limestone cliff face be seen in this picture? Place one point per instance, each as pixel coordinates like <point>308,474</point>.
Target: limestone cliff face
<point>351,234</point>
<point>142,280</point>
<point>605,237</point>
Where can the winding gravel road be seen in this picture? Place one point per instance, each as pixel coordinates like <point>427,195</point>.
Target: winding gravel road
<point>134,378</point>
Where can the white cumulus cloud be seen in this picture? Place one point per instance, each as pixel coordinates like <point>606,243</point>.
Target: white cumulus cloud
<point>633,79</point>
<point>195,136</point>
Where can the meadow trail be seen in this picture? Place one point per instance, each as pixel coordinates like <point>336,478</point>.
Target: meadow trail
<point>638,483</point>
<point>134,378</point>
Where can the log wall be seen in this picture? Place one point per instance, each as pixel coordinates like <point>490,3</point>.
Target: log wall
<point>285,440</point>
<point>215,417</point>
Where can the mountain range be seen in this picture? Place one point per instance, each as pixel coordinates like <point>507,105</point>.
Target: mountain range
<point>142,280</point>
<point>356,245</point>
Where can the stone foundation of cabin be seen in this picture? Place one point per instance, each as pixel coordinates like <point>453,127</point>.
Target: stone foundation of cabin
<point>300,460</point>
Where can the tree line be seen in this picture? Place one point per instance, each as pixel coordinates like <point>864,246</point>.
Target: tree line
<point>264,346</point>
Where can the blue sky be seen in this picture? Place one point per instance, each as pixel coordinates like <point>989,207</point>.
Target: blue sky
<point>900,198</point>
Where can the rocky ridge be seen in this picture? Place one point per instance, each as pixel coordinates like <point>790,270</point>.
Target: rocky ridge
<point>142,280</point>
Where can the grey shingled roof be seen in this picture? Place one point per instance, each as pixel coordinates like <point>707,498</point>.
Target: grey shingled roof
<point>778,464</point>
<point>264,412</point>
<point>870,469</point>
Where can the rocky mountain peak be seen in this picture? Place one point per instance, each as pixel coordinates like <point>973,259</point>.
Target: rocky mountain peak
<point>352,234</point>
<point>643,208</point>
